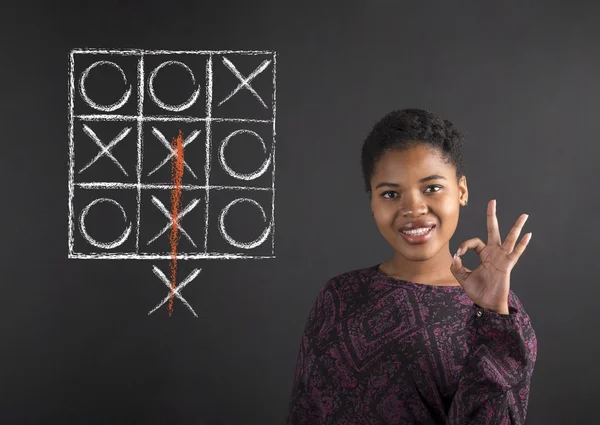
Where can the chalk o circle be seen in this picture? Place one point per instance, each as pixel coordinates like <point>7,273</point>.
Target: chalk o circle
<point>104,108</point>
<point>229,239</point>
<point>94,242</point>
<point>173,108</point>
<point>229,170</point>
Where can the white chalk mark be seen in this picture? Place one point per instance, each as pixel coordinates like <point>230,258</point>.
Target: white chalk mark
<point>173,108</point>
<point>134,52</point>
<point>94,242</point>
<point>176,291</point>
<point>273,151</point>
<point>230,171</point>
<point>140,149</point>
<point>166,186</point>
<point>105,115</point>
<point>104,108</point>
<point>164,118</point>
<point>208,144</point>
<point>71,152</point>
<point>173,151</point>
<point>167,214</point>
<point>244,245</point>
<point>245,81</point>
<point>105,149</point>
<point>167,256</point>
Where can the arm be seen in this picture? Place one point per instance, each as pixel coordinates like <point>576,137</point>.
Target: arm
<point>304,406</point>
<point>494,389</point>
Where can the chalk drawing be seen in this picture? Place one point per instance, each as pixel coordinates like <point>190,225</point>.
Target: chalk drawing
<point>173,222</point>
<point>138,114</point>
<point>174,291</point>
<point>104,245</point>
<point>164,141</point>
<point>105,149</point>
<point>173,108</point>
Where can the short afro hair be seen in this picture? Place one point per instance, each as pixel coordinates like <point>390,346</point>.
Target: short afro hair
<point>403,129</point>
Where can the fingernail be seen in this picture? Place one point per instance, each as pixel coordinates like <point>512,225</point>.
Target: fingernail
<point>457,253</point>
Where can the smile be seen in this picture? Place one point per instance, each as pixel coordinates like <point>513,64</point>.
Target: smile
<point>418,237</point>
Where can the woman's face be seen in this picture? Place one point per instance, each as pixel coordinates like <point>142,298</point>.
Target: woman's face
<point>399,195</point>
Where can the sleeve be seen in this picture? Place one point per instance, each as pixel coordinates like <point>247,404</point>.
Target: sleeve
<point>494,388</point>
<point>305,403</point>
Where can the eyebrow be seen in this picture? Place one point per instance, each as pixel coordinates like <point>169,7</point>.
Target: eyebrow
<point>424,179</point>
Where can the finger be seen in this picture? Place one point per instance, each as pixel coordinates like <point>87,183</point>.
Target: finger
<point>492,224</point>
<point>514,256</point>
<point>475,244</point>
<point>513,235</point>
<point>460,272</point>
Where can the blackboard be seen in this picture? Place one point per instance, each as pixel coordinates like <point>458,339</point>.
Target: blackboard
<point>80,342</point>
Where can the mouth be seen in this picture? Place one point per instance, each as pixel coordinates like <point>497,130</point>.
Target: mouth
<point>418,238</point>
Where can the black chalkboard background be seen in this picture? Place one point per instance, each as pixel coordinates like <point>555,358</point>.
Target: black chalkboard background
<point>77,345</point>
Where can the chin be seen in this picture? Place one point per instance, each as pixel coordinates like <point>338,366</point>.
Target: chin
<point>416,256</point>
<point>415,252</point>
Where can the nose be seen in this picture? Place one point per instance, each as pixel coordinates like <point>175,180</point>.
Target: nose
<point>413,205</point>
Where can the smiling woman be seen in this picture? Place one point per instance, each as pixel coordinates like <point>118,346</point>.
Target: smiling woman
<point>403,341</point>
<point>405,153</point>
<point>403,199</point>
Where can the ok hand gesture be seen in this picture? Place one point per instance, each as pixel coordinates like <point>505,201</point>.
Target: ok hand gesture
<point>489,284</point>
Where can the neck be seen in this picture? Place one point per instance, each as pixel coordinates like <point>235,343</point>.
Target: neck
<point>434,269</point>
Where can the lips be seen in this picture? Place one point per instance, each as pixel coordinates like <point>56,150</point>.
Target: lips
<point>416,228</point>
<point>418,224</point>
<point>418,239</point>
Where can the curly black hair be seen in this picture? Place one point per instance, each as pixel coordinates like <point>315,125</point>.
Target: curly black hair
<point>403,129</point>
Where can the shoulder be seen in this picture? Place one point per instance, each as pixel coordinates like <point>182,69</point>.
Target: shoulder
<point>349,280</point>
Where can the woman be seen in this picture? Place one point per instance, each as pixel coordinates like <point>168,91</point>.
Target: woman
<point>419,339</point>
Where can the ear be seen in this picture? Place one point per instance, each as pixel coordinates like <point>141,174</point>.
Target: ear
<point>462,188</point>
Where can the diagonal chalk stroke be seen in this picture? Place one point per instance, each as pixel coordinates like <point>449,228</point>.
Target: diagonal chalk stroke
<point>172,151</point>
<point>245,81</point>
<point>186,142</point>
<point>175,291</point>
<point>167,214</point>
<point>105,149</point>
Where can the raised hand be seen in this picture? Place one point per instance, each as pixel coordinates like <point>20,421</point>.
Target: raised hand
<point>488,285</point>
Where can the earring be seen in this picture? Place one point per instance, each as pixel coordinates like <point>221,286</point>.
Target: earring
<point>466,203</point>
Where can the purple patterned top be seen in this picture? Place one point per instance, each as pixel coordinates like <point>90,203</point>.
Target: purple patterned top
<point>379,350</point>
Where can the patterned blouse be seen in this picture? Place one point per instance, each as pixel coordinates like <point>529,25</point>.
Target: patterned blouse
<point>379,350</point>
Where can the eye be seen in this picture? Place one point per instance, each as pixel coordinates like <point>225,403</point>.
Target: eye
<point>437,186</point>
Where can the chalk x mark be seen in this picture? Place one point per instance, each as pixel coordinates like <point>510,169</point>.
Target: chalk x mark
<point>245,81</point>
<point>174,291</point>
<point>167,214</point>
<point>105,149</point>
<point>173,151</point>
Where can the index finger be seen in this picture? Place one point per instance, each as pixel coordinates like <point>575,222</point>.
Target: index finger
<point>492,224</point>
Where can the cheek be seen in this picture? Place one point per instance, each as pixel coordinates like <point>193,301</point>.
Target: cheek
<point>384,213</point>
<point>449,217</point>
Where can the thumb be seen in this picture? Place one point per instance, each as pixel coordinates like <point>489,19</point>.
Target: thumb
<point>460,273</point>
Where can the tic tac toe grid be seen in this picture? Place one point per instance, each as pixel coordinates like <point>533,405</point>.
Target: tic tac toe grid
<point>225,101</point>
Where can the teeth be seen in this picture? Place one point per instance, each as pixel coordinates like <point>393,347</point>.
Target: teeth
<point>417,232</point>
